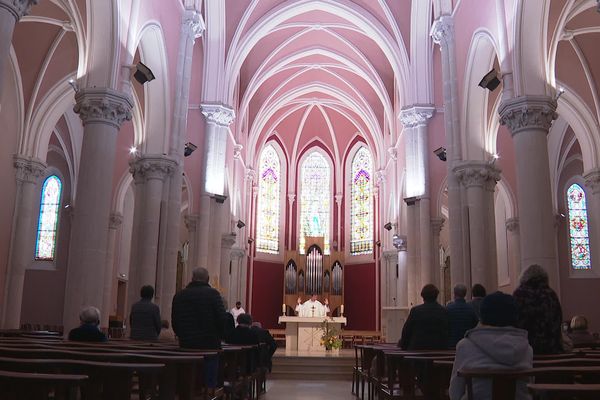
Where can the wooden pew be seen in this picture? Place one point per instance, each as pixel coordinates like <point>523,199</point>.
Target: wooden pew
<point>33,386</point>
<point>548,391</point>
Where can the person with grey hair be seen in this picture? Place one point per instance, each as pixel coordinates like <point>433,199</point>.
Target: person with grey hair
<point>198,317</point>
<point>88,330</point>
<point>461,316</point>
<point>539,311</point>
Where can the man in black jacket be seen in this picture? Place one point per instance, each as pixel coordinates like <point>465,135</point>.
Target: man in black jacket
<point>197,318</point>
<point>264,336</point>
<point>144,318</point>
<point>426,327</point>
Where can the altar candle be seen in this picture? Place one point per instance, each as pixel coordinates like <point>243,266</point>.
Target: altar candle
<point>342,309</point>
<point>283,308</point>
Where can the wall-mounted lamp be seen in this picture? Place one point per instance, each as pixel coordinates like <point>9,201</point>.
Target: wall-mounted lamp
<point>132,150</point>
<point>440,152</point>
<point>250,241</point>
<point>490,81</point>
<point>388,226</point>
<point>220,198</point>
<point>559,92</point>
<point>240,224</point>
<point>74,85</point>
<point>189,149</point>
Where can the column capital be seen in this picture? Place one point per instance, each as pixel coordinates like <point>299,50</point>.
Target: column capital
<point>218,113</point>
<point>436,225</point>
<point>28,169</point>
<point>528,112</point>
<point>237,151</point>
<point>379,177</point>
<point>103,106</point>
<point>115,220</point>
<point>149,167</point>
<point>227,240</point>
<point>393,152</point>
<point>442,30</point>
<point>512,224</point>
<point>18,8</point>
<point>191,222</point>
<point>592,180</point>
<point>416,115</point>
<point>477,173</point>
<point>193,24</point>
<point>250,174</point>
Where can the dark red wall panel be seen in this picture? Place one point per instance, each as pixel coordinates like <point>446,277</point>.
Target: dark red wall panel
<point>359,296</point>
<point>267,293</point>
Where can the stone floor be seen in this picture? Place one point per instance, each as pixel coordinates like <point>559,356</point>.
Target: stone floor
<point>308,390</point>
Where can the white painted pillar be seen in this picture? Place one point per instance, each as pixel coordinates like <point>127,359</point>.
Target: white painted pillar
<point>102,111</point>
<point>479,178</point>
<point>115,221</point>
<point>529,119</point>
<point>514,252</point>
<point>442,33</point>
<point>412,284</point>
<point>11,11</point>
<point>227,241</point>
<point>237,283</point>
<point>389,289</point>
<point>191,223</point>
<point>338,201</point>
<point>28,172</point>
<point>436,227</point>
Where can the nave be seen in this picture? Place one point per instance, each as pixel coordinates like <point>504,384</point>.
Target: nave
<point>308,390</point>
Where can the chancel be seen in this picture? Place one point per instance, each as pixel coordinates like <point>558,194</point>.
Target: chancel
<point>323,160</point>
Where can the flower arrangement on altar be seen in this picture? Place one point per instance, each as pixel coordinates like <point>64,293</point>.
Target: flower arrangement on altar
<point>330,337</point>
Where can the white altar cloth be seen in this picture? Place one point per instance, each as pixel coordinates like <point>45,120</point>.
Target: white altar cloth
<point>304,333</point>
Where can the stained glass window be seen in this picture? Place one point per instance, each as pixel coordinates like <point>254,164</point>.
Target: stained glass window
<point>45,245</point>
<point>315,199</point>
<point>578,228</point>
<point>361,208</point>
<point>269,192</point>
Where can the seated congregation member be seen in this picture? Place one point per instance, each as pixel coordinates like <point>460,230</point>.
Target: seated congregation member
<point>426,327</point>
<point>579,333</point>
<point>478,292</point>
<point>197,318</point>
<point>264,336</point>
<point>539,311</point>
<point>461,316</point>
<point>144,318</point>
<point>88,331</point>
<point>242,334</point>
<point>494,344</point>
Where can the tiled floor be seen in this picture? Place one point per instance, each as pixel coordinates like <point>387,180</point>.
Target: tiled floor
<point>308,390</point>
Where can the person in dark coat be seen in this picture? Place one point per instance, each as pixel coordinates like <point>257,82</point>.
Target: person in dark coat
<point>539,311</point>
<point>264,336</point>
<point>426,327</point>
<point>478,292</point>
<point>144,318</point>
<point>198,318</point>
<point>461,316</point>
<point>88,330</point>
<point>242,334</point>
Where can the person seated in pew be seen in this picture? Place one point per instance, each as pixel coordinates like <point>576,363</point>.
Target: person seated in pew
<point>88,331</point>
<point>494,344</point>
<point>477,293</point>
<point>264,336</point>
<point>144,318</point>
<point>426,327</point>
<point>461,316</point>
<point>579,333</point>
<point>242,334</point>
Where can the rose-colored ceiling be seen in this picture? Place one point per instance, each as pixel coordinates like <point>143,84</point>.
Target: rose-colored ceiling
<point>316,73</point>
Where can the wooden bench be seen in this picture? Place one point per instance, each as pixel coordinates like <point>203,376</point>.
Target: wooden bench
<point>33,386</point>
<point>548,391</point>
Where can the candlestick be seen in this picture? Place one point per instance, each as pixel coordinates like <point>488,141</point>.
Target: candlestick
<point>342,309</point>
<point>283,308</point>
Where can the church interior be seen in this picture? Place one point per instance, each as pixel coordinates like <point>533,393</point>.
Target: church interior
<point>354,149</point>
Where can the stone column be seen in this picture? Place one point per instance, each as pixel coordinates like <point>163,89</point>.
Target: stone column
<point>338,201</point>
<point>212,174</point>
<point>389,290</point>
<point>436,227</point>
<point>227,241</point>
<point>191,223</point>
<point>514,258</point>
<point>237,284</point>
<point>115,221</point>
<point>11,11</point>
<point>102,111</point>
<point>291,199</point>
<point>592,183</point>
<point>442,33</point>
<point>28,172</point>
<point>149,174</point>
<point>412,275</point>
<point>479,178</point>
<point>529,119</point>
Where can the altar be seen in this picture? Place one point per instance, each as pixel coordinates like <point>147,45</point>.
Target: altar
<point>304,333</point>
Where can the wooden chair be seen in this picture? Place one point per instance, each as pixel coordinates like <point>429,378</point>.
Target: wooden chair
<point>33,386</point>
<point>548,391</point>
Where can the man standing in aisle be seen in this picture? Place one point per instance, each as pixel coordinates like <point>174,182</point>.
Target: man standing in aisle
<point>236,311</point>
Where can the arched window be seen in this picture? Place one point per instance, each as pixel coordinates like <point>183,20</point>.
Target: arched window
<point>269,196</point>
<point>45,244</point>
<point>361,209</point>
<point>578,228</point>
<point>315,199</point>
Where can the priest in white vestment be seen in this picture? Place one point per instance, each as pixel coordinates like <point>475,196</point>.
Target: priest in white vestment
<point>311,308</point>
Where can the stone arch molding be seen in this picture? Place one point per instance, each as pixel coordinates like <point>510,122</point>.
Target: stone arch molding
<point>482,52</point>
<point>157,114</point>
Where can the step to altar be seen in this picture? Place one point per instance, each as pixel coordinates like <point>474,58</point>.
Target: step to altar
<point>294,365</point>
